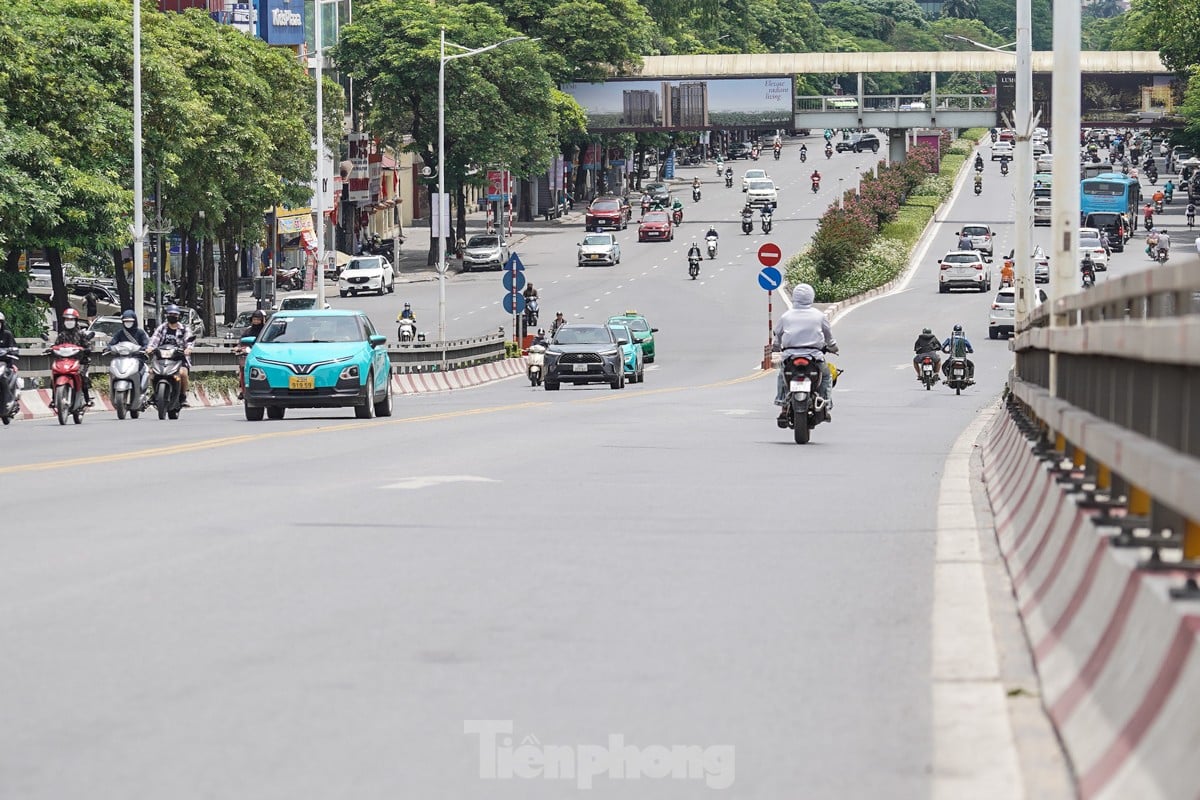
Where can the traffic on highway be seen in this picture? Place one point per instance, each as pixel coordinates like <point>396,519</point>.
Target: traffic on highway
<point>628,543</point>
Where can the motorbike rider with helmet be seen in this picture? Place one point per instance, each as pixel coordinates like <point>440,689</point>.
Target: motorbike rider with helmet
<point>6,338</point>
<point>815,178</point>
<point>130,332</point>
<point>804,331</point>
<point>173,333</point>
<point>407,312</point>
<point>693,253</point>
<point>979,162</point>
<point>958,346</point>
<point>70,333</point>
<point>559,321</point>
<point>1087,269</point>
<point>258,321</point>
<point>927,344</point>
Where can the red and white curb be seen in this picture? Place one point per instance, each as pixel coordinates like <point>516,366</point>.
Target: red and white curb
<point>35,403</point>
<point>1118,659</point>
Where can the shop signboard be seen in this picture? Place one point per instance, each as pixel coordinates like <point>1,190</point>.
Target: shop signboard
<point>281,22</point>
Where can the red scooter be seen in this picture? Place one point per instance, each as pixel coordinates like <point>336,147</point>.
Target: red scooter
<point>67,374</point>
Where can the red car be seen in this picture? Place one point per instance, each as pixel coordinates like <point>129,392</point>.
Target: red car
<point>608,211</point>
<point>656,225</point>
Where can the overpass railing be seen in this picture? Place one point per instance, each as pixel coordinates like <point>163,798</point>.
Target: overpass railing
<point>217,355</point>
<point>895,102</point>
<point>1124,415</point>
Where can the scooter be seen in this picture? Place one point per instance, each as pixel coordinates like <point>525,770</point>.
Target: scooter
<point>677,217</point>
<point>289,279</point>
<point>67,375</point>
<point>979,188</point>
<point>10,385</point>
<point>804,402</point>
<point>531,312</point>
<point>407,330</point>
<point>957,375</point>
<point>537,364</point>
<point>816,185</point>
<point>695,194</point>
<point>803,156</point>
<point>1158,206</point>
<point>929,374</point>
<point>766,221</point>
<point>164,371</point>
<point>1004,167</point>
<point>728,181</point>
<point>1088,280</point>
<point>694,267</point>
<point>127,379</point>
<point>747,223</point>
<point>711,242</point>
<point>720,168</point>
<point>1161,255</point>
<point>829,152</point>
<point>776,153</point>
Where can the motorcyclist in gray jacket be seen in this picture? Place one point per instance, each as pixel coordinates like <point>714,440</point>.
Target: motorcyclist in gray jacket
<point>804,331</point>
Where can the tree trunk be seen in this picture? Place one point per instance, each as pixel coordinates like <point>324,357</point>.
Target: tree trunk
<point>12,261</point>
<point>186,291</point>
<point>230,252</point>
<point>58,284</point>
<point>123,288</point>
<point>210,289</point>
<point>525,209</point>
<point>580,178</point>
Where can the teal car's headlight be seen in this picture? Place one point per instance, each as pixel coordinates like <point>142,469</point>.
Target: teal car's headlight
<point>349,373</point>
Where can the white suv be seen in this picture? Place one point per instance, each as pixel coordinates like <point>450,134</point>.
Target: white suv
<point>963,269</point>
<point>762,192</point>
<point>980,236</point>
<point>1004,310</point>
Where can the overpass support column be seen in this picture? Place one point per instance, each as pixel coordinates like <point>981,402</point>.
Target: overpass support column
<point>896,145</point>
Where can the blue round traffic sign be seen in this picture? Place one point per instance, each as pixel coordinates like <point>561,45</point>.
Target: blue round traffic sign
<point>514,303</point>
<point>770,278</point>
<point>509,277</point>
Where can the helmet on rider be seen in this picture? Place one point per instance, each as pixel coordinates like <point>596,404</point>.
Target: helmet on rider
<point>926,330</point>
<point>70,318</point>
<point>958,329</point>
<point>173,313</point>
<point>257,314</point>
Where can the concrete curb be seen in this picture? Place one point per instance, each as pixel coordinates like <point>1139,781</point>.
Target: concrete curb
<point>35,403</point>
<point>1118,659</point>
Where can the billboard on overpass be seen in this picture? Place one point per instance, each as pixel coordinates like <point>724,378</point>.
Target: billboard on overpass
<point>685,104</point>
<point>1114,99</point>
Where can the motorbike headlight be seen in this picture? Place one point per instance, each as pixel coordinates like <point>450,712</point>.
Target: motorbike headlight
<point>349,373</point>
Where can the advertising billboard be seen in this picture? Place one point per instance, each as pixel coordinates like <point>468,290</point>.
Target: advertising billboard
<point>1126,98</point>
<point>685,104</point>
<point>281,22</point>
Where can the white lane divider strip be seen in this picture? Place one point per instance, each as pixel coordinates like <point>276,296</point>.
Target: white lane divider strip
<point>974,749</point>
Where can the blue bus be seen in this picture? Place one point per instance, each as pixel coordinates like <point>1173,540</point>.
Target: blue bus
<point>1110,192</point>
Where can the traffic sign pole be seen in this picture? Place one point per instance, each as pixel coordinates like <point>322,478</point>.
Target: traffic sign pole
<point>770,279</point>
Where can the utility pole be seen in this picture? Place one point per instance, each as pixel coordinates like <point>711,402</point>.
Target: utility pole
<point>1023,125</point>
<point>1064,264</point>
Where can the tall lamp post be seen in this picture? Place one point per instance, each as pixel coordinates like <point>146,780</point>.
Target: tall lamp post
<point>1023,126</point>
<point>138,228</point>
<point>441,207</point>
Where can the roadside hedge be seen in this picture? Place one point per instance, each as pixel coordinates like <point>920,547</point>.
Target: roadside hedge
<point>867,243</point>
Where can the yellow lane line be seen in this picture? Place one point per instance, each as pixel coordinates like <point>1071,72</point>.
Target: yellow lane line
<point>227,441</point>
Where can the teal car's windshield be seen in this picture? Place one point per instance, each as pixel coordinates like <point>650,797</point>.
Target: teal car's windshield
<point>294,330</point>
<point>637,325</point>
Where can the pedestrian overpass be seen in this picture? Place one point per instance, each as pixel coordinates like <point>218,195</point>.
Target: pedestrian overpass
<point>890,111</point>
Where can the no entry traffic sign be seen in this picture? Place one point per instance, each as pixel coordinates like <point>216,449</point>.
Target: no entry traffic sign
<point>769,254</point>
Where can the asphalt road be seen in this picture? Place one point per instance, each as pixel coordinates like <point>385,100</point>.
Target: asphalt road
<point>316,607</point>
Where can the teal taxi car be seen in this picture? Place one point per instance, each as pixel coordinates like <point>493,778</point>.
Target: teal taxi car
<point>318,359</point>
<point>643,334</point>
<point>632,354</point>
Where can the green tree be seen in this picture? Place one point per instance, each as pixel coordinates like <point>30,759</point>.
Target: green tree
<point>1001,17</point>
<point>498,103</point>
<point>1168,27</point>
<point>853,19</point>
<point>961,9</point>
<point>1103,8</point>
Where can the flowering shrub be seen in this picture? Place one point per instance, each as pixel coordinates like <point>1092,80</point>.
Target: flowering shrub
<point>867,242</point>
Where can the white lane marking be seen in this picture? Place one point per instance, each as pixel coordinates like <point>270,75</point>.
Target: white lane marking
<point>974,752</point>
<point>425,481</point>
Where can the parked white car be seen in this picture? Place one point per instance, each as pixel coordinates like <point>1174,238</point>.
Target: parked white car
<point>963,269</point>
<point>1001,318</point>
<point>367,274</point>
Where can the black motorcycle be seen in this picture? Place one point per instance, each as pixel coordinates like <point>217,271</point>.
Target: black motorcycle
<point>728,181</point>
<point>167,391</point>
<point>10,386</point>
<point>803,156</point>
<point>956,375</point>
<point>694,266</point>
<point>804,403</point>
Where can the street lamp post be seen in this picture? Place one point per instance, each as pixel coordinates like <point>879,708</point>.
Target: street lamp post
<point>138,228</point>
<point>441,208</point>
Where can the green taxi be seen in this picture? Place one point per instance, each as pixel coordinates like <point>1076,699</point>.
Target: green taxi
<point>643,334</point>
